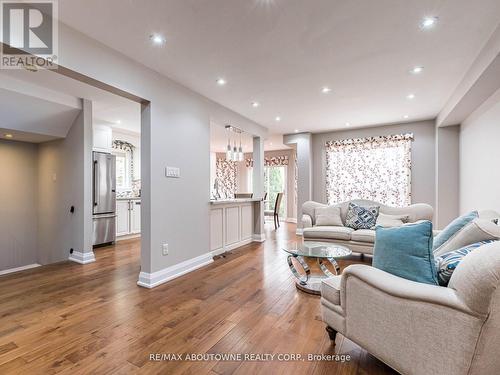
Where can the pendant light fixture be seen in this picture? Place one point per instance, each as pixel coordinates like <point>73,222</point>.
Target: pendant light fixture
<point>240,151</point>
<point>229,151</point>
<point>233,153</point>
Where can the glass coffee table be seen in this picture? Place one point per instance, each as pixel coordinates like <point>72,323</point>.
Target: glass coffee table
<point>315,250</point>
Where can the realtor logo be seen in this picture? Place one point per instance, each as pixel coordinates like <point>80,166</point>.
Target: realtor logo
<point>29,34</point>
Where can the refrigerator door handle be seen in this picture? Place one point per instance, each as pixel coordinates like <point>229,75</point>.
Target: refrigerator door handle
<point>95,182</point>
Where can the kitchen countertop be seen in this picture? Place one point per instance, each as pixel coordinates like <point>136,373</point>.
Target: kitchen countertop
<point>239,200</point>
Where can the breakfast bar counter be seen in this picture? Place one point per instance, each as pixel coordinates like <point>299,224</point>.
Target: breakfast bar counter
<point>232,223</point>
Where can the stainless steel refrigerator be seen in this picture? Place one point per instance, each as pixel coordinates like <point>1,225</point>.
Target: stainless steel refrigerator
<point>104,198</point>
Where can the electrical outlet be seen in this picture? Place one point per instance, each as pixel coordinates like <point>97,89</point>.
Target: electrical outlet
<point>164,249</point>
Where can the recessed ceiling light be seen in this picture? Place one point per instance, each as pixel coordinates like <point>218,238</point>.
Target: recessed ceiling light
<point>296,130</point>
<point>255,104</point>
<point>347,124</point>
<point>157,39</point>
<point>278,118</point>
<point>428,22</point>
<point>8,135</point>
<point>405,116</point>
<point>325,90</point>
<point>221,81</point>
<point>270,143</point>
<point>410,96</point>
<point>417,70</point>
<point>118,121</point>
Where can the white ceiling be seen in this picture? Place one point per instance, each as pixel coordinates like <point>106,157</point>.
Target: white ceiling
<point>52,95</point>
<point>281,52</point>
<point>22,115</point>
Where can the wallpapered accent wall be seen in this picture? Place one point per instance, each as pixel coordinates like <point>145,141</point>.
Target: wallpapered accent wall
<point>226,177</point>
<point>375,168</point>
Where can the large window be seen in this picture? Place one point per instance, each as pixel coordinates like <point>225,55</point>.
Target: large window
<point>377,168</point>
<point>274,183</point>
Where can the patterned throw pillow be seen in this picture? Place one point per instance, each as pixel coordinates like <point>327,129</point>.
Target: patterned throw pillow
<point>447,263</point>
<point>361,217</point>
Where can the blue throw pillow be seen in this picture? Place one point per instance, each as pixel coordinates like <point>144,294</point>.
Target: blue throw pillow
<point>447,263</point>
<point>453,228</point>
<point>406,252</point>
<point>359,217</point>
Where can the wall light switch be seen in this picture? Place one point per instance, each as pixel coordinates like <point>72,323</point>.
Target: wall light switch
<point>172,172</point>
<point>164,249</point>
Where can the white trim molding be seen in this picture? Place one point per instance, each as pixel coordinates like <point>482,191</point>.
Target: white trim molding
<point>17,269</point>
<point>291,220</point>
<point>82,258</point>
<point>299,231</point>
<point>151,280</point>
<point>259,237</point>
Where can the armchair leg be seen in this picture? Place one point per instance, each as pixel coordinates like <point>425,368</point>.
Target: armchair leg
<point>331,333</point>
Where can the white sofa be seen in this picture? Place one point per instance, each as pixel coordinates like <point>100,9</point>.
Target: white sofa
<point>421,329</point>
<point>361,240</point>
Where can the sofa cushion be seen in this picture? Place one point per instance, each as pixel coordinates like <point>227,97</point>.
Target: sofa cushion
<point>328,216</point>
<point>363,235</point>
<point>406,252</point>
<point>477,230</point>
<point>453,228</point>
<point>391,221</point>
<point>358,217</point>
<point>330,289</point>
<point>330,232</point>
<point>447,263</point>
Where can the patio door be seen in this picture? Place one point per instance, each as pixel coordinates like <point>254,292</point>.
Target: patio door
<point>274,183</point>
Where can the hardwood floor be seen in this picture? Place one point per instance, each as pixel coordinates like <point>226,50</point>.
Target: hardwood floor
<point>72,319</point>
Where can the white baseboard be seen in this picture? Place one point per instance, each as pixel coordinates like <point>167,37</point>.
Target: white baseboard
<point>150,280</point>
<point>17,269</point>
<point>128,237</point>
<point>82,258</point>
<point>299,231</point>
<point>291,220</point>
<point>259,237</point>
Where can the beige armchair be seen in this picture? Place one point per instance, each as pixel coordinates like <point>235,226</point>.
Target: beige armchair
<point>420,328</point>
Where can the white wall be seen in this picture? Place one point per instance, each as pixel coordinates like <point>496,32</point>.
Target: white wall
<point>175,210</point>
<point>423,157</point>
<point>480,158</point>
<point>18,204</point>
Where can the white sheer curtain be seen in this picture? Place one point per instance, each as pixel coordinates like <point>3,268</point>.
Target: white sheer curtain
<point>376,168</point>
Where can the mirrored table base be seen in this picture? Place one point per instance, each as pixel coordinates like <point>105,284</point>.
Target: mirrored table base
<point>311,283</point>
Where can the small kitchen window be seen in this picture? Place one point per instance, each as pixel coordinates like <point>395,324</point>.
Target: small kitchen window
<point>124,153</point>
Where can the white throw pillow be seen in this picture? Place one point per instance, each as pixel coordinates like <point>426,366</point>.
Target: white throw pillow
<point>477,230</point>
<point>391,221</point>
<point>328,216</point>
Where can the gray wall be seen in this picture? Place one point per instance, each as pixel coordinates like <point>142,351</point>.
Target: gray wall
<point>480,158</point>
<point>175,210</point>
<point>423,157</point>
<point>18,204</point>
<point>64,180</point>
<point>447,175</point>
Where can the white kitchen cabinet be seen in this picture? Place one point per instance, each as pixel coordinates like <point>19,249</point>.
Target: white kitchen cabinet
<point>103,138</point>
<point>135,216</point>
<point>122,218</point>
<point>128,217</point>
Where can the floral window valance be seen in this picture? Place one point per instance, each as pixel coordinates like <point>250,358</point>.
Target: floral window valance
<point>273,161</point>
<point>375,168</point>
<point>226,173</point>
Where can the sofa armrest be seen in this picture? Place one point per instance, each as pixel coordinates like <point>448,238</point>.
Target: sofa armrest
<point>403,288</point>
<point>306,221</point>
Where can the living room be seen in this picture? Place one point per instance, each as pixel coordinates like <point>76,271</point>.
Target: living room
<point>318,191</point>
